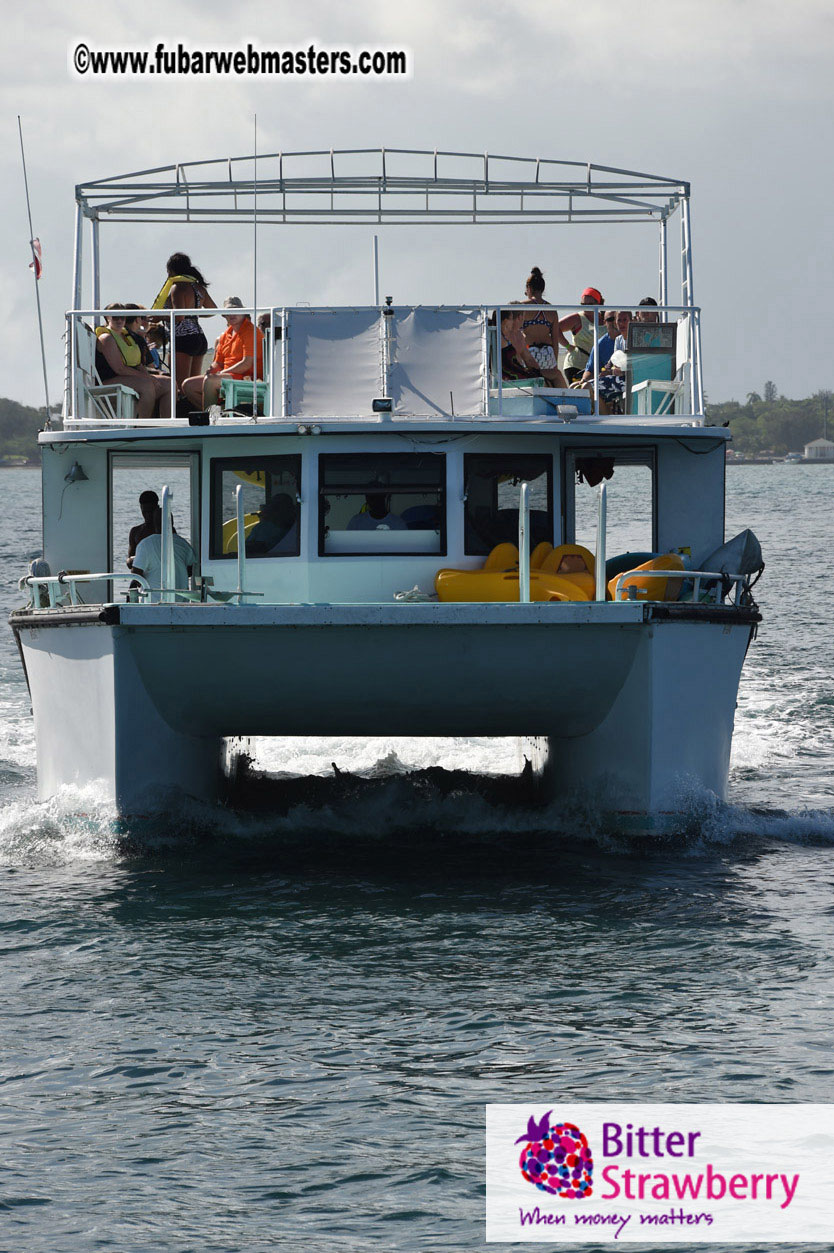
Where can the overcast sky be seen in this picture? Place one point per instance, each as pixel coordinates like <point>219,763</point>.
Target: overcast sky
<point>733,95</point>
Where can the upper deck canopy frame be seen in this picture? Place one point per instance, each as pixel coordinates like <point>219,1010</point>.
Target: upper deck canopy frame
<point>388,186</point>
<point>383,186</point>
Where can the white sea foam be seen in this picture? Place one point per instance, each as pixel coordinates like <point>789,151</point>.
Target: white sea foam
<point>78,824</point>
<point>315,755</point>
<point>384,803</point>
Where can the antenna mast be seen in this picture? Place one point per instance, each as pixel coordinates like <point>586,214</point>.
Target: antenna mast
<point>36,268</point>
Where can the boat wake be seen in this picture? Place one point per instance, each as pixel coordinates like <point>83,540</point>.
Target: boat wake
<point>386,805</point>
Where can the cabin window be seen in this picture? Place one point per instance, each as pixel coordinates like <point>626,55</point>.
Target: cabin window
<point>392,503</point>
<point>491,493</point>
<point>629,476</point>
<point>270,506</point>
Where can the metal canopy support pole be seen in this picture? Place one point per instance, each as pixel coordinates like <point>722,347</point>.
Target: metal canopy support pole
<point>70,399</point>
<point>95,265</point>
<point>663,294</point>
<point>77,278</point>
<point>688,299</point>
<point>376,269</point>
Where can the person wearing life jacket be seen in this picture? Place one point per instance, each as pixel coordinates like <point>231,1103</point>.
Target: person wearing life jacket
<point>119,360</point>
<point>185,288</point>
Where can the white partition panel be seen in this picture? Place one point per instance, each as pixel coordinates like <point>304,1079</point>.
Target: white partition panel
<point>334,362</point>
<point>437,362</point>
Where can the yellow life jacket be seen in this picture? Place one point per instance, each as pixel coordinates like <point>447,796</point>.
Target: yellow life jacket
<point>165,290</point>
<point>127,345</point>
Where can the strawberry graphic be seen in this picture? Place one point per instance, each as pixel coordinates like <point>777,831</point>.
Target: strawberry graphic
<point>556,1158</point>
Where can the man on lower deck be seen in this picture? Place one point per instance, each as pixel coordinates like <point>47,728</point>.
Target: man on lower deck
<point>234,357</point>
<point>147,560</point>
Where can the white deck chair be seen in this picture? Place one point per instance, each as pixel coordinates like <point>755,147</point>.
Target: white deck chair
<point>115,402</point>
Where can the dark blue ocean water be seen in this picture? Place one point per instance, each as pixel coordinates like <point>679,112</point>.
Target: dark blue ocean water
<point>279,1030</point>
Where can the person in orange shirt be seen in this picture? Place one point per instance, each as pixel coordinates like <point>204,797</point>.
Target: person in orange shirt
<point>234,357</point>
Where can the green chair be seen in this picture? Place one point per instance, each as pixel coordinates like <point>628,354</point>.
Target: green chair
<point>237,394</point>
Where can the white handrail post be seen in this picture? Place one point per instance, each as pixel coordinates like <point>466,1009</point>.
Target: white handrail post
<point>241,543</point>
<point>599,563</point>
<point>499,363</point>
<point>167,575</point>
<point>524,544</point>
<point>172,361</point>
<point>596,360</point>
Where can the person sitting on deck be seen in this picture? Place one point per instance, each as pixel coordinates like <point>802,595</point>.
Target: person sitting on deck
<point>277,530</point>
<point>376,515</point>
<point>541,331</point>
<point>147,560</point>
<point>234,357</point>
<point>119,360</point>
<point>645,313</point>
<point>611,381</point>
<point>517,361</point>
<point>581,327</point>
<point>136,326</point>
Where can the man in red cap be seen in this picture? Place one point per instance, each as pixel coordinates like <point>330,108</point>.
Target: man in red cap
<point>581,327</point>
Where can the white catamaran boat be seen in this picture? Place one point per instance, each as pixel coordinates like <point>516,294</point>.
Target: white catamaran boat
<point>427,549</point>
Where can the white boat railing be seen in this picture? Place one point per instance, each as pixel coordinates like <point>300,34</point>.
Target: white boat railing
<point>724,583</point>
<point>574,404</point>
<point>79,365</point>
<point>54,582</point>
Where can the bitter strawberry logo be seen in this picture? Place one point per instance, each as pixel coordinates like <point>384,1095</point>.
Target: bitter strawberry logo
<point>556,1158</point>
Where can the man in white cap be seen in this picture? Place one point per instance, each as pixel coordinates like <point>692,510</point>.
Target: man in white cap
<point>234,357</point>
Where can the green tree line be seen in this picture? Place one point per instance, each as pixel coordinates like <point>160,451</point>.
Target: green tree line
<point>773,423</point>
<point>19,426</point>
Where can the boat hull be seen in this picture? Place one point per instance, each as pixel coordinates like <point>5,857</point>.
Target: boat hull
<point>141,698</point>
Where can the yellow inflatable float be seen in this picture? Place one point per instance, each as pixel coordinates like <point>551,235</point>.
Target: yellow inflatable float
<point>648,588</point>
<point>563,573</point>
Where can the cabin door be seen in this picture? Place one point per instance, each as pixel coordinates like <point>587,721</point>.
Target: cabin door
<point>132,475</point>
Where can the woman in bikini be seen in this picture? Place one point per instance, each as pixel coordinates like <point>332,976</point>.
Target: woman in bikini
<point>185,288</point>
<point>533,339</point>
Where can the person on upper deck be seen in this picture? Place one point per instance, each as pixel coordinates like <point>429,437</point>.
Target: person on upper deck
<point>119,360</point>
<point>541,331</point>
<point>581,328</point>
<point>530,344</point>
<point>185,288</point>
<point>645,313</point>
<point>611,381</point>
<point>136,324</point>
<point>234,357</point>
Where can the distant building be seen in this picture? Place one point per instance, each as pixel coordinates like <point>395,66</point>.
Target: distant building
<point>820,450</point>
